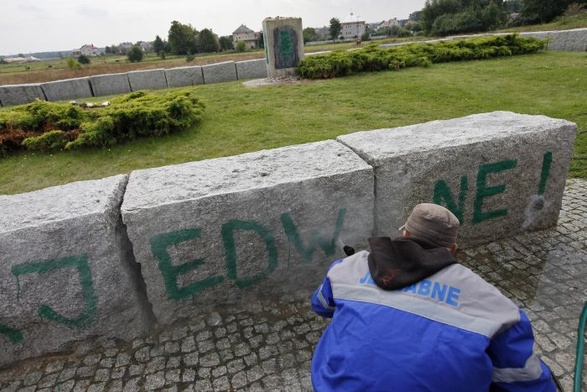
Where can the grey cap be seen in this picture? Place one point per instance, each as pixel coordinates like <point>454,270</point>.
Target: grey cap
<point>433,223</point>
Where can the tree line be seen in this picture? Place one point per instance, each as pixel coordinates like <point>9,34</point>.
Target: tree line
<point>449,17</point>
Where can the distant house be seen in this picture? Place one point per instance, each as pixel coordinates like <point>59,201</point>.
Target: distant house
<point>243,33</point>
<point>87,50</point>
<point>387,24</point>
<point>352,27</point>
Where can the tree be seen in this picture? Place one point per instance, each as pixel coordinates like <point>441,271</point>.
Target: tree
<point>225,43</point>
<point>310,34</point>
<point>182,39</point>
<point>207,41</point>
<point>135,54</point>
<point>544,11</point>
<point>83,59</point>
<point>335,28</point>
<point>241,46</point>
<point>158,45</point>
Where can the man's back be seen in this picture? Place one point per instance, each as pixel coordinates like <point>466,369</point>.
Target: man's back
<point>450,331</point>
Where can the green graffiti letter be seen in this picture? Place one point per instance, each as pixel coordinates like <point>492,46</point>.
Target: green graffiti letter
<point>230,248</point>
<point>14,335</point>
<point>80,263</point>
<point>484,191</point>
<point>315,241</point>
<point>170,272</point>
<point>442,193</point>
<point>546,163</point>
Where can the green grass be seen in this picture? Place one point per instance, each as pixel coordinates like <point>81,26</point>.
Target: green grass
<point>241,119</point>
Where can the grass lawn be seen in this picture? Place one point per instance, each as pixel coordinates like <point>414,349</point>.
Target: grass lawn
<point>241,119</point>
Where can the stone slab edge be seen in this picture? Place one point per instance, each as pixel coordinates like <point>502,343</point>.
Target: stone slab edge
<point>67,89</point>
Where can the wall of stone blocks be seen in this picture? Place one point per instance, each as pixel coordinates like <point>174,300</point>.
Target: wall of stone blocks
<point>113,257</point>
<point>111,84</point>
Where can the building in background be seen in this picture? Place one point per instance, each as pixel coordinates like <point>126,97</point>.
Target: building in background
<point>352,27</point>
<point>248,36</point>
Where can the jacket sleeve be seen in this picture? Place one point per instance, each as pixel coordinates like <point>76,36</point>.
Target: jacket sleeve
<point>322,299</point>
<point>515,366</point>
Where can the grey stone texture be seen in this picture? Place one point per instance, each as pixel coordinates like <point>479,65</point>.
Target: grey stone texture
<point>19,94</point>
<point>284,45</point>
<point>266,343</point>
<point>64,270</point>
<point>151,79</point>
<point>110,84</point>
<point>184,76</point>
<point>213,231</point>
<point>567,40</point>
<point>67,89</point>
<point>251,69</point>
<point>501,173</point>
<point>220,72</point>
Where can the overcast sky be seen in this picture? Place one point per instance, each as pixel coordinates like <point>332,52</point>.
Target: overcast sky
<point>28,26</point>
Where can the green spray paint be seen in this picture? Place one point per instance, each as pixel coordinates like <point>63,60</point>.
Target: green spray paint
<point>328,245</point>
<point>443,193</point>
<point>545,173</point>
<point>80,263</point>
<point>14,335</point>
<point>484,191</point>
<point>228,230</point>
<point>170,272</point>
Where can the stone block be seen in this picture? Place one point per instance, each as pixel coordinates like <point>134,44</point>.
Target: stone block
<point>61,90</point>
<point>219,72</point>
<point>152,79</point>
<point>262,223</point>
<point>251,69</point>
<point>110,84</point>
<point>501,173</point>
<point>184,76</point>
<point>19,94</point>
<point>66,270</point>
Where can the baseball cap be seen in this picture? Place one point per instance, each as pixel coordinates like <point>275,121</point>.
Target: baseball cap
<point>433,223</point>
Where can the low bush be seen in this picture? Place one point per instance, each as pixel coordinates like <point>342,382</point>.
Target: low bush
<point>45,126</point>
<point>374,58</point>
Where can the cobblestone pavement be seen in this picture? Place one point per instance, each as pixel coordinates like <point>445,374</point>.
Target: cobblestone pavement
<point>267,345</point>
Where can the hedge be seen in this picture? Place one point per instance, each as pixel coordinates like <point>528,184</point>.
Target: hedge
<point>374,58</point>
<point>47,126</point>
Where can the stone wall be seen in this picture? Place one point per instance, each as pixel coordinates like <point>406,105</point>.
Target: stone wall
<point>113,257</point>
<point>111,84</point>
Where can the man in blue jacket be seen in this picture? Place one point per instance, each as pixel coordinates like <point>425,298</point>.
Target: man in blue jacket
<point>407,317</point>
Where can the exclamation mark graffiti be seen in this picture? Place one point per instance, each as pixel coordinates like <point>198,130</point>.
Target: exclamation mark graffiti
<point>546,163</point>
<point>537,203</point>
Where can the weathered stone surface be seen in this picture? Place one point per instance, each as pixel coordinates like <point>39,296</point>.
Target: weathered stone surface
<point>184,76</point>
<point>220,72</point>
<point>251,69</point>
<point>152,79</point>
<point>67,89</point>
<point>19,94</point>
<point>501,173</point>
<point>110,84</point>
<point>568,40</point>
<point>65,269</point>
<point>267,221</point>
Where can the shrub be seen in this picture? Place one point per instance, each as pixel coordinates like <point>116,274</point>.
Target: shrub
<point>48,141</point>
<point>374,58</point>
<point>43,126</point>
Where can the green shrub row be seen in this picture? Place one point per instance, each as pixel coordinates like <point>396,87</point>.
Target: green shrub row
<point>46,126</point>
<point>374,58</point>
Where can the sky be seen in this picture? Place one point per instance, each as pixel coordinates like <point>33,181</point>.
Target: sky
<point>28,26</point>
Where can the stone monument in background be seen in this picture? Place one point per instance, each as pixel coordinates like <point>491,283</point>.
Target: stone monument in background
<point>284,45</point>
